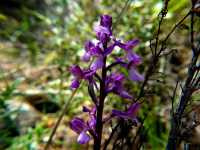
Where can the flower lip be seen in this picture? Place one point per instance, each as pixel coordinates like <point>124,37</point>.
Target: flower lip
<point>77,125</point>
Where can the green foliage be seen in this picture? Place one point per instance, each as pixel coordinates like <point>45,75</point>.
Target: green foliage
<point>30,140</point>
<point>54,32</point>
<point>7,128</point>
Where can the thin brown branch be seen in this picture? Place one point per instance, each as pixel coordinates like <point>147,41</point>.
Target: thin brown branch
<point>184,99</point>
<point>64,111</point>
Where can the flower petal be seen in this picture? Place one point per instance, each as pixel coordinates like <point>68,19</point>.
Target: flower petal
<point>83,138</point>
<point>86,57</point>
<point>120,114</point>
<point>129,114</point>
<point>133,58</point>
<point>125,94</point>
<point>131,44</point>
<point>76,71</point>
<point>75,84</point>
<point>85,109</point>
<point>97,64</point>
<point>128,45</point>
<point>133,109</point>
<point>88,45</point>
<point>92,122</point>
<point>109,49</point>
<point>101,29</point>
<point>106,21</point>
<point>77,125</point>
<point>134,75</point>
<point>96,51</point>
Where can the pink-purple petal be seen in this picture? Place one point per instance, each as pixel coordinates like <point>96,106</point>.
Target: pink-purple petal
<point>106,21</point>
<point>129,114</point>
<point>86,57</point>
<point>97,64</point>
<point>128,45</point>
<point>101,29</point>
<point>133,58</point>
<point>76,71</point>
<point>131,44</point>
<point>92,122</point>
<point>120,114</point>
<point>88,45</point>
<point>125,94</point>
<point>77,125</point>
<point>75,84</point>
<point>133,109</point>
<point>83,138</point>
<point>109,49</point>
<point>134,75</point>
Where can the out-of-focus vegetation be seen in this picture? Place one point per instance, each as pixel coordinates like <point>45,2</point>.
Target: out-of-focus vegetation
<point>39,39</point>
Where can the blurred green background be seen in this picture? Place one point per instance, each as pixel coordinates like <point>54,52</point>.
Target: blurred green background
<point>40,39</point>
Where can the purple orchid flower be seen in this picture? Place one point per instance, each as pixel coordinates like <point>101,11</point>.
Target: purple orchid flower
<point>133,61</point>
<point>129,114</point>
<point>84,128</point>
<point>80,127</point>
<point>80,74</point>
<point>104,81</point>
<point>132,58</point>
<point>103,31</point>
<point>114,84</point>
<point>106,21</point>
<point>92,113</point>
<point>91,50</point>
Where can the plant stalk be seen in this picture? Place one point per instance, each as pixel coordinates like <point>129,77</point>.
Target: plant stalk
<point>100,107</point>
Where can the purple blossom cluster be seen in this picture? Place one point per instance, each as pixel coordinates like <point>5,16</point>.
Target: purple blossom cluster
<point>101,76</point>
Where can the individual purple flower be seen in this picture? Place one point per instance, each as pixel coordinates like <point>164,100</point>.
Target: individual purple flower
<point>92,114</point>
<point>103,31</point>
<point>103,34</point>
<point>133,61</point>
<point>76,71</point>
<point>132,58</point>
<point>80,74</point>
<point>77,125</point>
<point>129,114</point>
<point>84,128</point>
<point>114,84</point>
<point>80,127</point>
<point>91,50</point>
